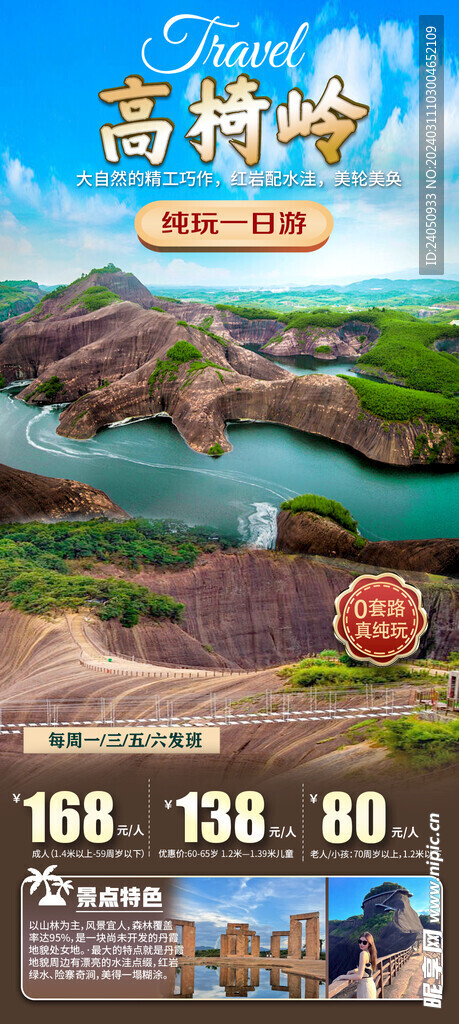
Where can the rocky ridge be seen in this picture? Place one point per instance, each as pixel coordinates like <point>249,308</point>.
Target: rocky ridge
<point>26,496</point>
<point>312,534</point>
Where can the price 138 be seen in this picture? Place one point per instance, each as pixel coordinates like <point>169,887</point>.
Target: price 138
<point>249,822</point>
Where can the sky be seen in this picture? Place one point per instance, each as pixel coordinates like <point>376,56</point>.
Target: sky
<point>346,894</point>
<point>264,903</point>
<point>61,55</point>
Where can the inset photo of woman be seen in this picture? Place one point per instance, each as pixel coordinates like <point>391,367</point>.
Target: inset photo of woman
<point>375,935</point>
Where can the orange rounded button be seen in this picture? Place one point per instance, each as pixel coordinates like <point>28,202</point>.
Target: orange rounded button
<point>231,226</point>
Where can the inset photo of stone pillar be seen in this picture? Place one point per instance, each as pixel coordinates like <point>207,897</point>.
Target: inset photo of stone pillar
<point>274,950</point>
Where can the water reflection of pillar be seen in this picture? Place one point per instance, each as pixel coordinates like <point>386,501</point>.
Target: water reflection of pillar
<point>237,982</point>
<point>255,976</point>
<point>311,988</point>
<point>242,978</point>
<point>294,986</point>
<point>275,977</point>
<point>187,981</point>
<point>223,977</point>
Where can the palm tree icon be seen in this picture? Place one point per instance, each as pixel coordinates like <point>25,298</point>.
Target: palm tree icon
<point>46,878</point>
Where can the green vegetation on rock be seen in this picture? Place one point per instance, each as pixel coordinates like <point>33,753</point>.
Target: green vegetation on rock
<point>39,591</point>
<point>36,580</point>
<point>168,368</point>
<point>384,887</point>
<point>390,402</point>
<point>322,507</point>
<point>96,297</point>
<point>422,744</point>
<point>331,674</point>
<point>51,388</point>
<point>215,449</point>
<point>130,544</point>
<point>250,312</point>
<point>180,353</point>
<point>45,568</point>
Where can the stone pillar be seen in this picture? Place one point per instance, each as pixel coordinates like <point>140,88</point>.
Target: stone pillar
<point>313,938</point>
<point>294,939</point>
<point>242,943</point>
<point>255,951</point>
<point>224,944</point>
<point>275,945</point>
<point>189,938</point>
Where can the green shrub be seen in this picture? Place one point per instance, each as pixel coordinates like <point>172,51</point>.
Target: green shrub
<point>50,388</point>
<point>168,369</point>
<point>322,672</point>
<point>39,591</point>
<point>96,298</point>
<point>322,348</point>
<point>215,449</point>
<point>322,507</point>
<point>183,352</point>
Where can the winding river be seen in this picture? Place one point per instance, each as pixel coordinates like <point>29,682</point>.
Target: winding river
<point>147,468</point>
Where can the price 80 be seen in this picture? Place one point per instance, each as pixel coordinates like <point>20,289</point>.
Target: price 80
<point>370,817</point>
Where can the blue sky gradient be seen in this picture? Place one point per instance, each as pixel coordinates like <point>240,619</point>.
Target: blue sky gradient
<point>346,894</point>
<point>264,903</point>
<point>58,57</point>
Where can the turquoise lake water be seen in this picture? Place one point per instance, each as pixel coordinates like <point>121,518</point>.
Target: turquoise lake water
<point>147,468</point>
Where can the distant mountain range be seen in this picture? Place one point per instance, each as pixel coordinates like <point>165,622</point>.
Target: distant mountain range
<point>371,292</point>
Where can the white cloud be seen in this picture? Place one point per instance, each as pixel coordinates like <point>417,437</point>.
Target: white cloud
<point>397,143</point>
<point>355,58</point>
<point>8,222</point>
<point>81,208</point>
<point>193,89</point>
<point>397,45</point>
<point>327,13</point>
<point>20,181</point>
<point>15,246</point>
